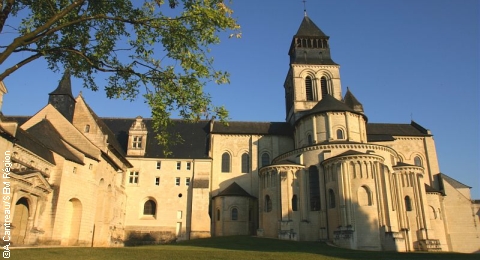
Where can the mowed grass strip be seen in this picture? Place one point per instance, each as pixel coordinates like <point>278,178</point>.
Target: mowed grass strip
<point>238,248</point>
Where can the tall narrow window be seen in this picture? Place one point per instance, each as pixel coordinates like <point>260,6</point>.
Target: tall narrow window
<point>234,214</point>
<point>225,162</point>
<point>268,204</point>
<point>149,208</point>
<point>218,214</point>
<point>314,185</point>
<point>309,88</point>
<point>137,142</point>
<point>133,177</point>
<point>177,181</point>
<point>309,139</point>
<point>245,163</point>
<point>323,85</point>
<point>294,203</point>
<point>87,129</point>
<point>179,165</point>
<point>418,161</point>
<point>157,181</point>
<point>187,181</point>
<point>189,165</point>
<point>340,134</point>
<point>331,198</point>
<point>159,165</point>
<point>265,159</point>
<point>408,203</point>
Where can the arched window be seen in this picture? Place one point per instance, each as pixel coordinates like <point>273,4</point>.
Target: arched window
<point>234,214</point>
<point>314,185</point>
<point>434,213</point>
<point>309,88</point>
<point>418,161</point>
<point>408,203</point>
<point>294,203</point>
<point>309,139</point>
<point>265,159</point>
<point>245,163</point>
<point>87,129</point>
<point>268,204</point>
<point>340,134</point>
<point>323,85</point>
<point>331,198</point>
<point>218,214</point>
<point>364,196</point>
<point>149,208</point>
<point>225,162</point>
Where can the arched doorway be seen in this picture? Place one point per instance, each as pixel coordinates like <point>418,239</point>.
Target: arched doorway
<point>73,221</point>
<point>20,221</point>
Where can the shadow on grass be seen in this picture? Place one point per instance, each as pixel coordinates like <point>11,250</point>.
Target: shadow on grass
<point>246,243</point>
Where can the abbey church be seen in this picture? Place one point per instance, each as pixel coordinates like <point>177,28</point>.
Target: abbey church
<point>72,178</point>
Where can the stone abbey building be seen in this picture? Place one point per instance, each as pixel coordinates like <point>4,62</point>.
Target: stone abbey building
<point>326,174</point>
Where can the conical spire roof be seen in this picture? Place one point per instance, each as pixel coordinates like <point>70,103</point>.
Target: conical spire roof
<point>351,101</point>
<point>65,86</point>
<point>309,28</point>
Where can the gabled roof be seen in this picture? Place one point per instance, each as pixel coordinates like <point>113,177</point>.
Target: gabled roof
<point>234,190</point>
<point>111,139</point>
<point>456,184</point>
<point>309,28</point>
<point>194,145</point>
<point>48,135</point>
<point>254,128</point>
<point>33,144</point>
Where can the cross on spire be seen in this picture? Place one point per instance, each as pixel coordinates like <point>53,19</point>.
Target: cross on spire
<point>305,7</point>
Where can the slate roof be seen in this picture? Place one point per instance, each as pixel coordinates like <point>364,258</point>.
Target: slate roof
<point>377,132</point>
<point>29,142</point>
<point>194,135</point>
<point>429,188</point>
<point>254,128</point>
<point>234,190</point>
<point>64,87</point>
<point>456,184</point>
<point>309,28</point>
<point>48,135</point>
<point>351,101</point>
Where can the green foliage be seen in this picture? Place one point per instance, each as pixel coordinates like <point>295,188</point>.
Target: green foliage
<point>150,48</point>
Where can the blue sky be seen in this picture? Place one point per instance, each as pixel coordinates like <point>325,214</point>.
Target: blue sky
<point>402,59</point>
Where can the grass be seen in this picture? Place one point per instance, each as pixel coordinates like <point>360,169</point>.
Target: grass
<point>238,248</point>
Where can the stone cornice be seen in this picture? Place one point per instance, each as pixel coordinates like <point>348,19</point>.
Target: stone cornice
<point>335,159</point>
<point>331,146</point>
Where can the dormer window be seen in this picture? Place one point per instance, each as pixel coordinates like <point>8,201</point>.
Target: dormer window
<point>137,142</point>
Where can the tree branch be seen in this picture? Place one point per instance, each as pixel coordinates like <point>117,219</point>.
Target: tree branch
<point>5,11</point>
<point>22,40</point>
<point>19,65</point>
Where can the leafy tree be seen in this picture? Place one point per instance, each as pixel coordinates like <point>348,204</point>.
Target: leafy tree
<point>162,47</point>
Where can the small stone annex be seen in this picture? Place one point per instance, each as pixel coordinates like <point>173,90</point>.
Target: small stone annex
<point>325,174</point>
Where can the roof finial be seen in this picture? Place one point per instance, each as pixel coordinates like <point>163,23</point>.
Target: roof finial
<point>304,7</point>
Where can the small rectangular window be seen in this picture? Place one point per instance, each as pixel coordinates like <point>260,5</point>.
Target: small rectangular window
<point>179,165</point>
<point>188,165</point>
<point>157,181</point>
<point>137,142</point>
<point>159,165</point>
<point>90,166</point>
<point>179,214</point>
<point>133,177</point>
<point>187,181</point>
<point>177,181</point>
<point>74,169</point>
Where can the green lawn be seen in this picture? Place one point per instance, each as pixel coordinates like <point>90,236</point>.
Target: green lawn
<point>238,248</point>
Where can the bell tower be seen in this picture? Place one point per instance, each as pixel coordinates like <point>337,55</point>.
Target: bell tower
<point>312,73</point>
